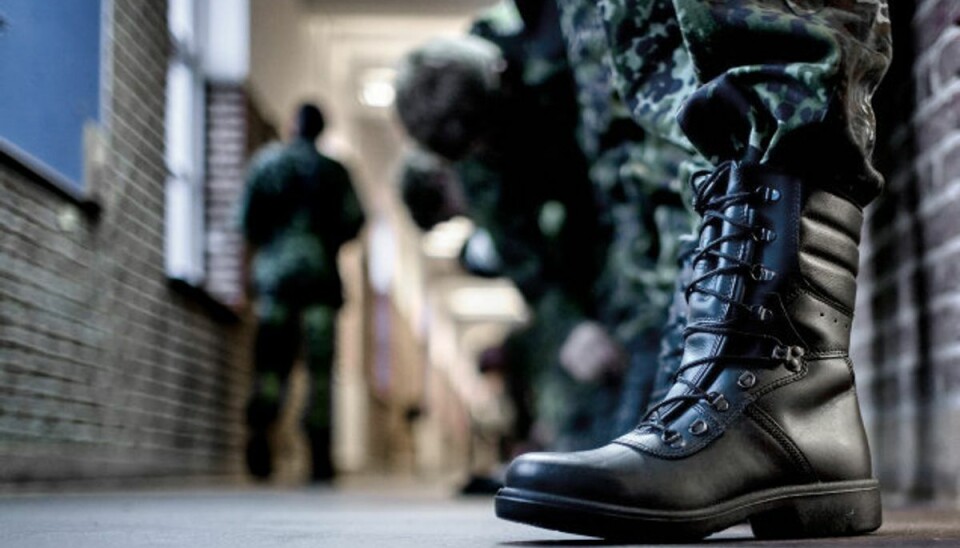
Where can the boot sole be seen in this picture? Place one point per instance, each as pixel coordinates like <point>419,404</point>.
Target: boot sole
<point>819,510</point>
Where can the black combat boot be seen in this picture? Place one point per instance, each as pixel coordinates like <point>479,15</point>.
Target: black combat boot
<point>762,422</point>
<point>261,414</point>
<point>322,469</point>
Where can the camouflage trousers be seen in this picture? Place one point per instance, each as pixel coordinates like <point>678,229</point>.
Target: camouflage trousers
<point>637,177</point>
<point>281,329</point>
<point>567,414</point>
<point>780,82</point>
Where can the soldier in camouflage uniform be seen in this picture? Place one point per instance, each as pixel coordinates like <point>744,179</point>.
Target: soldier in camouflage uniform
<point>511,137</point>
<point>299,208</point>
<point>761,422</point>
<point>574,409</point>
<point>637,175</point>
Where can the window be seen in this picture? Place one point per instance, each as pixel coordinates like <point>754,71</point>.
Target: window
<point>50,88</point>
<point>185,144</point>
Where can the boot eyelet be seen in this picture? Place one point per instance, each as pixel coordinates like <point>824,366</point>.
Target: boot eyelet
<point>762,313</point>
<point>746,380</point>
<point>699,427</point>
<point>768,194</point>
<point>719,402</point>
<point>761,273</point>
<point>780,352</point>
<point>671,437</point>
<point>764,235</point>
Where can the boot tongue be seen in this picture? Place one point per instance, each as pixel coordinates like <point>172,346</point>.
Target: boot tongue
<point>705,309</point>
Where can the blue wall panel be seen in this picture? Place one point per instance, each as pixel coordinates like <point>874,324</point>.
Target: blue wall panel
<point>49,80</point>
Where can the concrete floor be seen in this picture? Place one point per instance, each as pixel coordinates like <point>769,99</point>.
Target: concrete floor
<point>333,518</point>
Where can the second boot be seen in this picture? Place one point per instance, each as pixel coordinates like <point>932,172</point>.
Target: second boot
<point>762,421</point>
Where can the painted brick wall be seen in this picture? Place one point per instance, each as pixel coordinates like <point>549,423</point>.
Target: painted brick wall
<point>105,371</point>
<point>907,332</point>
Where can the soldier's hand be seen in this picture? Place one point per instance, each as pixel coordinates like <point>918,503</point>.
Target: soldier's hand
<point>589,353</point>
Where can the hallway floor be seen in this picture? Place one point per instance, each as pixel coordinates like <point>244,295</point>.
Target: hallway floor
<point>248,517</point>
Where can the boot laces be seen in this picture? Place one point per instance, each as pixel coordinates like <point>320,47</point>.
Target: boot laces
<point>711,208</point>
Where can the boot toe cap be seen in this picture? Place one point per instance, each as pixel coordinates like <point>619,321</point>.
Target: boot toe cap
<point>593,475</point>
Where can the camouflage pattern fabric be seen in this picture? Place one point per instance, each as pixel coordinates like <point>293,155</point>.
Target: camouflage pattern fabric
<point>781,82</point>
<point>637,175</point>
<point>281,329</point>
<point>529,187</point>
<point>652,69</point>
<point>568,415</point>
<point>298,209</point>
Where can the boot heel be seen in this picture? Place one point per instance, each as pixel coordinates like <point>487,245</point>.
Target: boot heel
<point>826,515</point>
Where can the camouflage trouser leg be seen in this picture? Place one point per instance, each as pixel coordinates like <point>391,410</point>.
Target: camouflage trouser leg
<point>319,323</point>
<point>275,351</point>
<point>653,71</point>
<point>636,173</point>
<point>785,82</point>
<point>276,345</point>
<point>577,415</point>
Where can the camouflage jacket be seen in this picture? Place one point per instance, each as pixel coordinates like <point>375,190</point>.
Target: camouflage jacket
<point>298,209</point>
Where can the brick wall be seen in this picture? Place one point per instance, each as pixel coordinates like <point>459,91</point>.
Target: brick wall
<point>907,332</point>
<point>235,130</point>
<point>105,371</point>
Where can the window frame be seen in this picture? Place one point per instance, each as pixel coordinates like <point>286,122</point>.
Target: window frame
<point>185,145</point>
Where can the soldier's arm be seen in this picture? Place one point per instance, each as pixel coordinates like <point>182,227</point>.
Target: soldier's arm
<point>353,217</point>
<point>245,220</point>
<point>252,219</point>
<point>253,216</point>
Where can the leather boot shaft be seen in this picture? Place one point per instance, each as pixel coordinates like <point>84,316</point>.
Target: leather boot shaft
<point>803,278</point>
<point>805,282</point>
<point>770,309</point>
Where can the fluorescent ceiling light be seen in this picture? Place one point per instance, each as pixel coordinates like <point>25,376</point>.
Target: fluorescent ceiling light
<point>376,88</point>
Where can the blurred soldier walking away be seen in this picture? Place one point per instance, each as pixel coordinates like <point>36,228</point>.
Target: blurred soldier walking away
<point>761,422</point>
<point>299,208</point>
